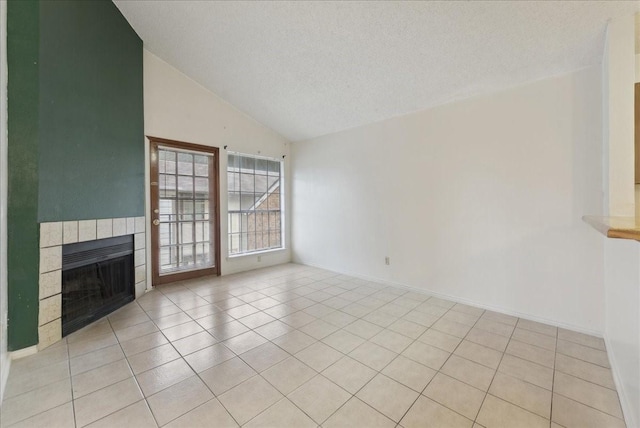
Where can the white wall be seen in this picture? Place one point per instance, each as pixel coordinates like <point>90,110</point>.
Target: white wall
<point>622,279</point>
<point>618,68</point>
<point>622,258</point>
<point>180,109</point>
<point>4,355</point>
<point>480,200</point>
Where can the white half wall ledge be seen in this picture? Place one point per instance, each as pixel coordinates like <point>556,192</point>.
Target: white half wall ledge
<point>615,227</point>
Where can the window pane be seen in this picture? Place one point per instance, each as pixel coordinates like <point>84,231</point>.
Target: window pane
<point>234,243</point>
<point>168,235</point>
<point>273,184</point>
<point>244,223</point>
<point>201,165</point>
<point>247,163</point>
<point>243,242</point>
<point>168,258</point>
<point>247,202</point>
<point>186,255</point>
<point>274,220</point>
<point>260,223</point>
<point>203,255</point>
<point>185,163</point>
<point>232,162</point>
<point>251,242</point>
<point>185,187</point>
<point>254,203</point>
<point>259,245</point>
<point>186,233</point>
<point>185,210</point>
<point>247,183</point>
<point>234,222</point>
<point>233,182</point>
<point>202,209</point>
<point>202,231</point>
<point>167,186</point>
<point>274,167</point>
<point>166,206</point>
<point>274,202</point>
<point>260,201</point>
<point>261,184</point>
<point>261,166</point>
<point>202,187</point>
<point>234,201</point>
<point>167,162</point>
<point>274,239</point>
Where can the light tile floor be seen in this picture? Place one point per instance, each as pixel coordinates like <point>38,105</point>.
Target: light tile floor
<point>294,346</point>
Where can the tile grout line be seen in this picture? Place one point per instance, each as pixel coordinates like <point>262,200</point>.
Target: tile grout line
<point>269,383</point>
<point>379,372</point>
<point>236,356</point>
<point>253,284</point>
<point>135,379</point>
<point>553,378</point>
<point>496,372</point>
<point>190,367</point>
<point>420,394</point>
<point>316,302</point>
<point>449,357</point>
<point>304,383</point>
<point>302,362</point>
<point>73,401</point>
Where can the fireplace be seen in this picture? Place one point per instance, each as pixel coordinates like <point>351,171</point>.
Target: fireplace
<point>56,235</point>
<point>97,278</point>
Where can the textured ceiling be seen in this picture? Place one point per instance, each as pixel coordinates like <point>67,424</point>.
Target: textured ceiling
<point>307,69</point>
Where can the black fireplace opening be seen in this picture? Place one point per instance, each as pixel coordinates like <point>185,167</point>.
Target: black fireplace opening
<point>97,279</point>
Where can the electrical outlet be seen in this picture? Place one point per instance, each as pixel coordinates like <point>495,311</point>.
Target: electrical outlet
<point>259,259</point>
<point>387,261</point>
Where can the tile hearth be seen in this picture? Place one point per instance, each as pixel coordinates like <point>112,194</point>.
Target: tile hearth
<point>53,236</point>
<point>294,346</point>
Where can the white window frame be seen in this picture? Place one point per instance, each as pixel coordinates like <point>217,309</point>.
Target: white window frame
<point>282,246</point>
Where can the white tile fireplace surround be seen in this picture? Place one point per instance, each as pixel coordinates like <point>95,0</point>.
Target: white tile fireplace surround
<point>52,237</point>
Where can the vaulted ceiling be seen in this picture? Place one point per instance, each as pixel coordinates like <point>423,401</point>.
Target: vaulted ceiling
<point>307,69</point>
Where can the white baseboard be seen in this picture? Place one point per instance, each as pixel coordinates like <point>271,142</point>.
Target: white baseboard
<point>6,366</point>
<point>24,352</point>
<point>463,300</point>
<point>625,403</point>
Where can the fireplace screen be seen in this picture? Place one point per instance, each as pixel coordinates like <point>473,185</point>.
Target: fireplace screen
<point>97,278</point>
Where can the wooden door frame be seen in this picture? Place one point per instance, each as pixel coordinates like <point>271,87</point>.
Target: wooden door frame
<point>214,208</point>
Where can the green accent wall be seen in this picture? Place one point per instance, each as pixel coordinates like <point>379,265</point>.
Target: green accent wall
<point>91,113</point>
<point>76,132</point>
<point>22,204</point>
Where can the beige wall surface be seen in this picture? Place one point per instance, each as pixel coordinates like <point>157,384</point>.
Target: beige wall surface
<point>178,108</point>
<point>480,200</point>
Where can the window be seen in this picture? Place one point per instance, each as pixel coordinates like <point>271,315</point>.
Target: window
<point>255,203</point>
